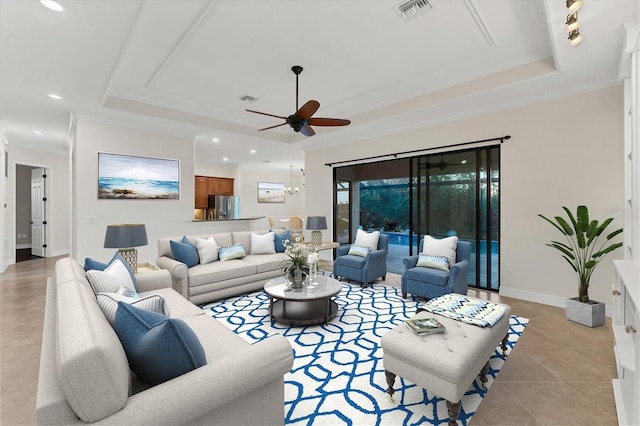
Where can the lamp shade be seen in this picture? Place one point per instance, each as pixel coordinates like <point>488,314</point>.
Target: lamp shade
<point>316,223</point>
<point>125,235</point>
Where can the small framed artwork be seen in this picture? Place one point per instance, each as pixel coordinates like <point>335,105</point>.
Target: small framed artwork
<point>269,192</point>
<point>127,177</point>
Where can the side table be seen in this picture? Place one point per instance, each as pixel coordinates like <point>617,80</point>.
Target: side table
<point>146,267</point>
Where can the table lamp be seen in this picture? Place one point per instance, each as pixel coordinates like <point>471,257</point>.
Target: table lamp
<point>125,237</point>
<point>316,223</point>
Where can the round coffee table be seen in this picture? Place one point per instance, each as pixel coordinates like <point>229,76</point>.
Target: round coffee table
<point>311,305</point>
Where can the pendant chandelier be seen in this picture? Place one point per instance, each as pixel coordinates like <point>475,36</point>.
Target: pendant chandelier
<point>291,190</point>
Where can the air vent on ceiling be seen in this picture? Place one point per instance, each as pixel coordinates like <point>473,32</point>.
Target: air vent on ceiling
<point>247,98</point>
<point>413,8</point>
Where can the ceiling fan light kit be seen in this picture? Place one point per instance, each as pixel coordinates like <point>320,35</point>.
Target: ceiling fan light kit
<point>302,120</point>
<point>573,25</point>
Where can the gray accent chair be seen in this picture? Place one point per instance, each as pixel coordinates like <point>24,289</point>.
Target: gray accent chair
<point>430,283</point>
<point>362,269</point>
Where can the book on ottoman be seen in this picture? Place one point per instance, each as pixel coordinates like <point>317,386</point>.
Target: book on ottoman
<point>425,325</point>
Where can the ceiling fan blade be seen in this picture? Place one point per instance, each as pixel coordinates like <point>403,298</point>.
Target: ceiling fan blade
<point>307,130</point>
<point>272,127</point>
<point>308,109</point>
<point>329,122</point>
<point>264,113</point>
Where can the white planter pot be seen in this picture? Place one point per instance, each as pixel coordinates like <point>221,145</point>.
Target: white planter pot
<point>590,314</point>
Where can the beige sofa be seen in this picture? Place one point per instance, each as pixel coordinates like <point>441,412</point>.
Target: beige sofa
<point>84,375</point>
<point>204,283</point>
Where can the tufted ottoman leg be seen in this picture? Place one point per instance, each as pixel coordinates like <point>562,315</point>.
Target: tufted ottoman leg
<point>483,375</point>
<point>454,411</point>
<point>391,380</point>
<point>503,345</point>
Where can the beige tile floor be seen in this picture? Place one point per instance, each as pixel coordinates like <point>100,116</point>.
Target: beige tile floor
<point>558,374</point>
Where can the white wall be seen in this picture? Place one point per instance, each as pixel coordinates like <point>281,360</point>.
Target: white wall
<point>566,151</point>
<point>163,218</point>
<point>248,191</point>
<point>58,204</point>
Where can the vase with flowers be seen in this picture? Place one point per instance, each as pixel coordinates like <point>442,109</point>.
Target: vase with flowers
<point>295,265</point>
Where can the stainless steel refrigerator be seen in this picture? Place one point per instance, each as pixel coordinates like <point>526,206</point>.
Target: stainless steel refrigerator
<point>226,206</point>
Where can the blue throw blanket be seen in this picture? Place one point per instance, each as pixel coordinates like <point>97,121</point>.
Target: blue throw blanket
<point>461,308</point>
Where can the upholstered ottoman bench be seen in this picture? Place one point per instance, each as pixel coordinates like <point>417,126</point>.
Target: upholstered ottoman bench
<point>445,364</point>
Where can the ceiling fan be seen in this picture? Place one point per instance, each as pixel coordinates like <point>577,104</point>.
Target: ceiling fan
<point>302,120</point>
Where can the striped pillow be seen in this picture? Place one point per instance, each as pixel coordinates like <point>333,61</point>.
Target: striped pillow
<point>359,251</point>
<point>108,302</point>
<point>435,262</point>
<point>235,251</point>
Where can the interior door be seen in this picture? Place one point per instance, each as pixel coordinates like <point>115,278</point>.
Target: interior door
<point>38,210</point>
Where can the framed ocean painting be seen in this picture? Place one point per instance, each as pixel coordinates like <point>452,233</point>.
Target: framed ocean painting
<point>269,192</point>
<point>137,178</point>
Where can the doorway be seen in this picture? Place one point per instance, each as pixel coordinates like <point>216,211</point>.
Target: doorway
<point>31,233</point>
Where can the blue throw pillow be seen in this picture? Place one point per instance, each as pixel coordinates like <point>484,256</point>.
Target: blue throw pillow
<point>95,265</point>
<point>185,252</point>
<point>286,235</point>
<point>158,348</point>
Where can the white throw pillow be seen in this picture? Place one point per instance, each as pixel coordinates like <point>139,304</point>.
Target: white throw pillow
<point>263,244</point>
<point>441,247</point>
<point>111,279</point>
<point>207,250</point>
<point>367,239</point>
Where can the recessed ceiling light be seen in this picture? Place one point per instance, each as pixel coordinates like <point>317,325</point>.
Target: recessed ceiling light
<point>253,151</point>
<point>37,132</point>
<point>225,159</point>
<point>54,96</point>
<point>215,140</point>
<point>266,161</point>
<point>50,4</point>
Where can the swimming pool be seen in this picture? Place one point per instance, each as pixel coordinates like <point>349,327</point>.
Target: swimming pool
<point>402,239</point>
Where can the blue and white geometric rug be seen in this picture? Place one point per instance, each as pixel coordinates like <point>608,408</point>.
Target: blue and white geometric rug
<point>338,376</point>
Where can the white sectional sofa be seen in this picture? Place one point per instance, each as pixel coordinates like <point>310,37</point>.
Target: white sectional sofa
<point>205,282</point>
<point>85,375</point>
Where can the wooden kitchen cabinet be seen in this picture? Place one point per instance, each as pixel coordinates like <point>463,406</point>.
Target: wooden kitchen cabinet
<point>220,186</point>
<point>226,186</point>
<point>202,192</point>
<point>208,185</point>
<point>214,186</point>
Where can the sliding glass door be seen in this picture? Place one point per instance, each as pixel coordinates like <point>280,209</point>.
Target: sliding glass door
<point>458,194</point>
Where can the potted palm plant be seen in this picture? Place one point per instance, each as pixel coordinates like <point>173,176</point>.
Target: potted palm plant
<point>583,250</point>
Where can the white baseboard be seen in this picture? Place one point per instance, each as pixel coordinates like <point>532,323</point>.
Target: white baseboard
<point>545,299</point>
<point>64,252</point>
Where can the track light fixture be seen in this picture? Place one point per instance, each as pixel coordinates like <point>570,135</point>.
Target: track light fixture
<point>291,189</point>
<point>575,38</point>
<point>573,25</point>
<point>573,6</point>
